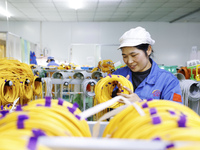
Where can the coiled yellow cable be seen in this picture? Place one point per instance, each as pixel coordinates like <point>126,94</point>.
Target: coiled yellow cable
<point>105,87</point>
<point>21,76</point>
<point>163,120</point>
<point>37,87</point>
<point>51,116</point>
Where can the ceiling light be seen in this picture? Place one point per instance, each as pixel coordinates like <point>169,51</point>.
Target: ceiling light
<point>4,12</point>
<point>76,4</point>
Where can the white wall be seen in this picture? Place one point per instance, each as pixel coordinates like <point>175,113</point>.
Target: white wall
<point>173,40</point>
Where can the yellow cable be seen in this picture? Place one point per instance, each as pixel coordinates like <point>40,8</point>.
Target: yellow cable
<point>163,119</point>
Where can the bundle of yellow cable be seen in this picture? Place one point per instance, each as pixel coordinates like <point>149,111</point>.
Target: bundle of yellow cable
<point>9,91</point>
<point>8,142</point>
<point>163,120</point>
<point>104,89</point>
<point>37,86</point>
<point>52,117</point>
<point>21,78</point>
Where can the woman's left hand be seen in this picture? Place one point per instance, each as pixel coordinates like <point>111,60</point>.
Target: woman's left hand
<point>132,97</point>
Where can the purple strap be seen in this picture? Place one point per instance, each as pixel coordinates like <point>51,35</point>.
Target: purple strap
<point>48,101</point>
<point>18,108</point>
<point>78,117</point>
<point>1,107</point>
<point>170,145</point>
<point>150,99</point>
<point>20,122</point>
<point>32,144</point>
<point>38,132</point>
<point>4,112</point>
<point>152,111</point>
<point>145,105</point>
<point>73,108</point>
<point>156,120</point>
<point>182,121</point>
<point>60,101</point>
<point>171,112</point>
<point>157,139</point>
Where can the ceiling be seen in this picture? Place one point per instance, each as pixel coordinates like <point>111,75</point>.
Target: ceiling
<point>104,10</point>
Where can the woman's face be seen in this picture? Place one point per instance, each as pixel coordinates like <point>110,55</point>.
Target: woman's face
<point>136,59</point>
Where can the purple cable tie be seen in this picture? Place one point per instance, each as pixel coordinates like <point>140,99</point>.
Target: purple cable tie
<point>48,101</point>
<point>73,108</point>
<point>109,83</point>
<point>60,101</point>
<point>157,139</point>
<point>110,75</point>
<point>32,144</point>
<point>20,122</point>
<point>145,105</point>
<point>182,121</point>
<point>150,99</point>
<point>18,108</point>
<point>118,76</point>
<point>6,80</point>
<point>38,132</point>
<point>171,112</point>
<point>4,112</point>
<point>1,107</point>
<point>39,105</point>
<point>170,145</point>
<point>156,120</point>
<point>78,117</point>
<point>152,111</point>
<point>8,105</point>
<point>122,90</point>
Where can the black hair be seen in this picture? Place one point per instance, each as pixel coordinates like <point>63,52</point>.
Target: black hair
<point>144,48</point>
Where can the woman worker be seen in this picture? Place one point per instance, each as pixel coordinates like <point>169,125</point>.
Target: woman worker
<point>149,81</point>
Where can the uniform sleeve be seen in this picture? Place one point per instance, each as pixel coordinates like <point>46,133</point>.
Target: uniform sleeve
<point>172,91</point>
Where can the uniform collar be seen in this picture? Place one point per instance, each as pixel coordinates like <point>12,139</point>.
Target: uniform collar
<point>151,78</point>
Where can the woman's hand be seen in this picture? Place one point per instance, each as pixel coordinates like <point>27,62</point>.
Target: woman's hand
<point>119,85</point>
<point>132,97</point>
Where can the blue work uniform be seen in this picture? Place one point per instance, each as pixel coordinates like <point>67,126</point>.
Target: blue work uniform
<point>159,84</point>
<point>52,63</point>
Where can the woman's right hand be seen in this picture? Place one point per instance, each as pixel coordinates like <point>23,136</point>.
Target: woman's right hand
<point>119,85</point>
<point>132,97</point>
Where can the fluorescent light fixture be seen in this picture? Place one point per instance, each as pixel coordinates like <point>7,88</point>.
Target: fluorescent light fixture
<point>76,4</point>
<point>4,12</point>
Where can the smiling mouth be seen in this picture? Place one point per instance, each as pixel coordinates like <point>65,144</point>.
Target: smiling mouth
<point>133,66</point>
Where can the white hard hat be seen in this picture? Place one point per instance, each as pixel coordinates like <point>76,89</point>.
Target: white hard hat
<point>134,37</point>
